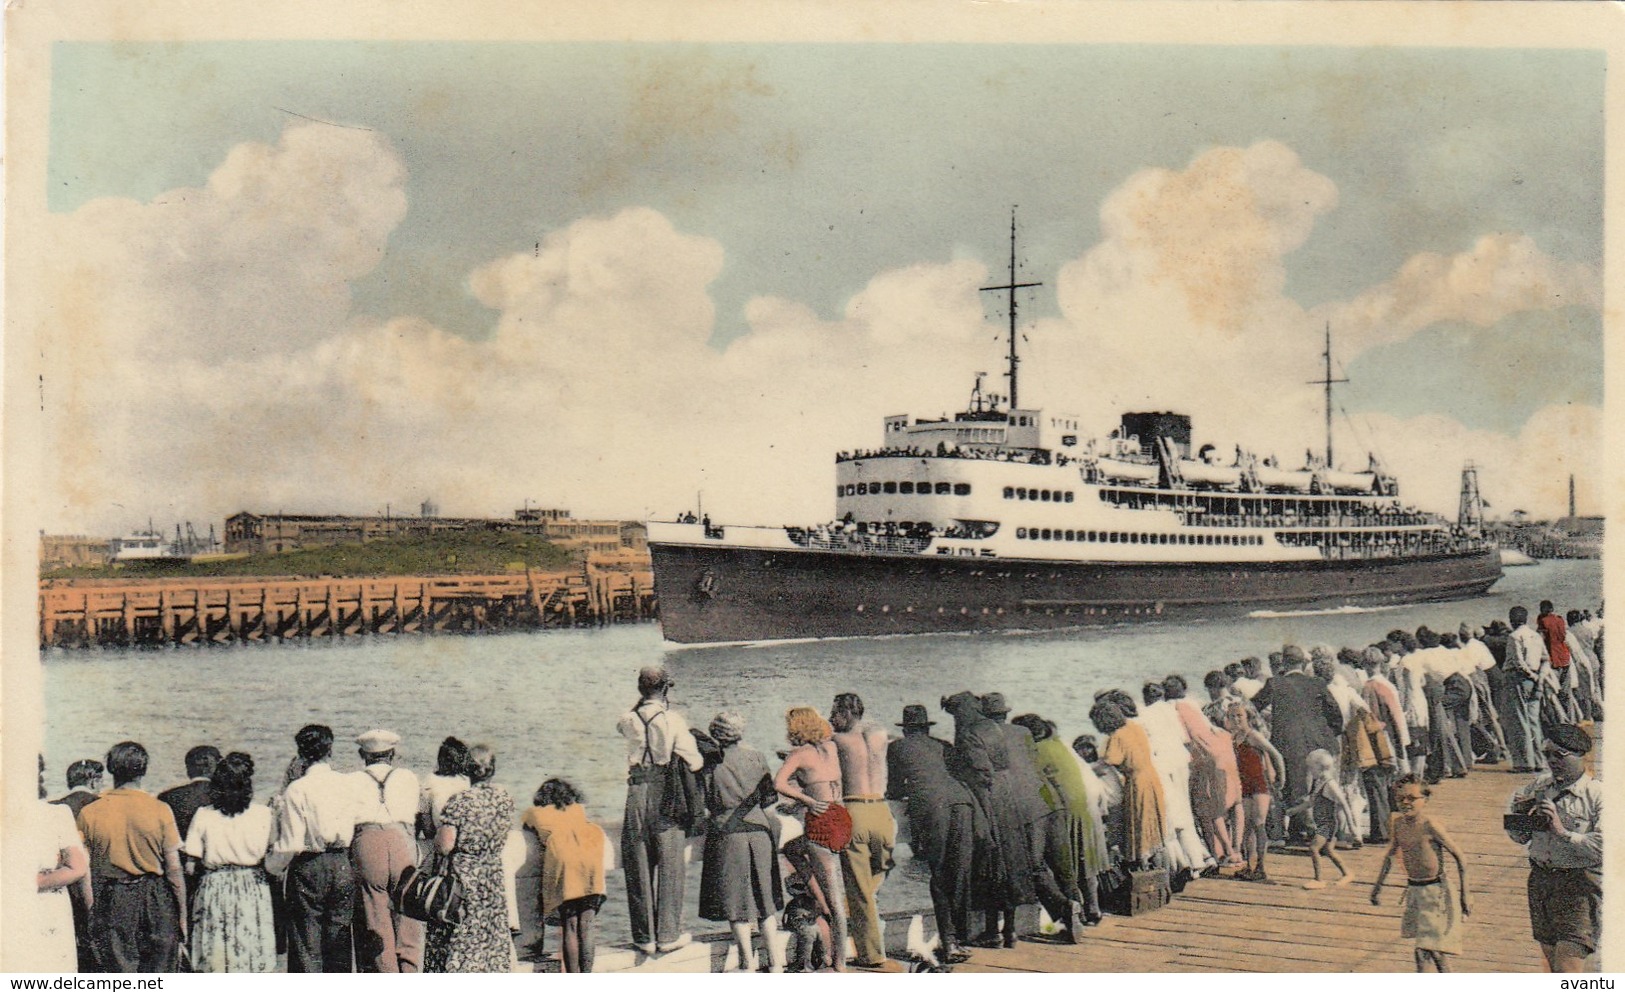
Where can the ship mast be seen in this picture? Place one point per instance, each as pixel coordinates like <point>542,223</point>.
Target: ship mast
<point>1011,288</point>
<point>1327,382</point>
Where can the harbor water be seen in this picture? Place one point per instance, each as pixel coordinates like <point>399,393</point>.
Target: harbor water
<point>548,701</point>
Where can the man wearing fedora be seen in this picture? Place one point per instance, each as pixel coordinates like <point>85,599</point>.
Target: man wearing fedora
<point>651,844</point>
<point>1565,853</point>
<point>943,822</point>
<point>387,805</point>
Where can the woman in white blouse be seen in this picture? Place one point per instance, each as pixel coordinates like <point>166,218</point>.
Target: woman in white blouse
<point>232,925</point>
<point>60,861</point>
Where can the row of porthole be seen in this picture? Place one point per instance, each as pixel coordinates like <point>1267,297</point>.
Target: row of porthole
<point>1039,495</point>
<point>1088,611</point>
<point>903,489</point>
<point>1119,537</point>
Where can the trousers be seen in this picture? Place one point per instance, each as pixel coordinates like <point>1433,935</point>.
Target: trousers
<point>137,924</point>
<point>321,896</point>
<point>385,941</point>
<point>652,853</point>
<point>866,861</point>
<point>1055,868</point>
<point>1520,721</point>
<point>1376,781</point>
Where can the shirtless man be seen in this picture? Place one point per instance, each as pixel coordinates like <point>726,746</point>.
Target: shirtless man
<point>861,745</point>
<point>1430,917</point>
<point>811,777</point>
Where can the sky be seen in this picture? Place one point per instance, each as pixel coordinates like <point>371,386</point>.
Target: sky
<point>340,276</point>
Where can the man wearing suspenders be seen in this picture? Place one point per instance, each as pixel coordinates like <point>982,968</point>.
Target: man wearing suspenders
<point>651,844</point>
<point>386,806</point>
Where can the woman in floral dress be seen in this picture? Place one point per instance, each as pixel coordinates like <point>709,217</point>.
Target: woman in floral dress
<point>233,928</point>
<point>473,829</point>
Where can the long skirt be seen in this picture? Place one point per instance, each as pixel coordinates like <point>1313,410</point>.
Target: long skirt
<point>233,928</point>
<point>740,877</point>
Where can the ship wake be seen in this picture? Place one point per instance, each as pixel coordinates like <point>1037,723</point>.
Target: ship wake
<point>1325,612</point>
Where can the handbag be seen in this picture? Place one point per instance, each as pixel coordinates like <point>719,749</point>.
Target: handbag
<point>432,897</point>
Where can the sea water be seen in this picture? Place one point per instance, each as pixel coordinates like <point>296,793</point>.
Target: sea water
<point>548,701</point>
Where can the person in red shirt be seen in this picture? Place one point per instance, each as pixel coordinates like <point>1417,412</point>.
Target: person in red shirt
<point>1556,632</point>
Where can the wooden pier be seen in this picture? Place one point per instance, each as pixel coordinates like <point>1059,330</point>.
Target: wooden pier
<point>78,613</point>
<point>1220,924</point>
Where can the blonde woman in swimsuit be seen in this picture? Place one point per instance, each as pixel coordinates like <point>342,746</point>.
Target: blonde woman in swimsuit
<point>811,778</point>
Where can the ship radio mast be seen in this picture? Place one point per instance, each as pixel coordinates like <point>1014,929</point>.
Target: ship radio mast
<point>1327,382</point>
<point>1011,288</point>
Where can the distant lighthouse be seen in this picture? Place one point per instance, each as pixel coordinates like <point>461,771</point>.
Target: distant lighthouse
<point>1571,496</point>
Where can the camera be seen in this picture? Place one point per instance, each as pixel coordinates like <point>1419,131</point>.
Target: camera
<point>1525,823</point>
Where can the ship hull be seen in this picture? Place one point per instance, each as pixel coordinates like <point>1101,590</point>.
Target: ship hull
<point>724,594</point>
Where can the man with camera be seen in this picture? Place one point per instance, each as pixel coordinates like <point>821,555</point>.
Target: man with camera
<point>1559,817</point>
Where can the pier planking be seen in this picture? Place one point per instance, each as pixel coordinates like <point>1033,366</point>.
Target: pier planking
<point>1218,924</point>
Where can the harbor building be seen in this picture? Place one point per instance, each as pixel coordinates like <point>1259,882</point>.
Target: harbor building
<point>248,532</point>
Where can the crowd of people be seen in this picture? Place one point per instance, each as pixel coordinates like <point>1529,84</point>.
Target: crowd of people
<point>1333,749</point>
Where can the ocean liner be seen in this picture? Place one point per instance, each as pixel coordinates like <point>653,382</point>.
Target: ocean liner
<point>1003,518</point>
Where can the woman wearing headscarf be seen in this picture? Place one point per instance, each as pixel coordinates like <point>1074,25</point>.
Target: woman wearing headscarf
<point>1129,750</point>
<point>740,880</point>
<point>473,829</point>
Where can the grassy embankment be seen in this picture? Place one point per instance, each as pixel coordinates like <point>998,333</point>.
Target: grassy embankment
<point>440,554</point>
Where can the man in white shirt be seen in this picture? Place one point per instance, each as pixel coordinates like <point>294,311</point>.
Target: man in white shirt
<point>651,844</point>
<point>1490,741</point>
<point>386,806</point>
<point>314,831</point>
<point>1526,666</point>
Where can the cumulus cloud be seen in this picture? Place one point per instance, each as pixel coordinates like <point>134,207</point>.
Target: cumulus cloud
<point>204,357</point>
<point>1500,275</point>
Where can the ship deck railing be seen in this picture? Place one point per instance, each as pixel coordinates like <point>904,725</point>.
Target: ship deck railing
<point>856,543</point>
<point>1350,521</point>
<point>1333,551</point>
<point>1015,455</point>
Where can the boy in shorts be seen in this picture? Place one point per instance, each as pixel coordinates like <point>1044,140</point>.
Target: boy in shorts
<point>1430,917</point>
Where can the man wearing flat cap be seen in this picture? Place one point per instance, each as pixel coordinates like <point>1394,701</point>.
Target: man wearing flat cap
<point>651,844</point>
<point>1565,854</point>
<point>943,822</point>
<point>386,808</point>
<point>1002,875</point>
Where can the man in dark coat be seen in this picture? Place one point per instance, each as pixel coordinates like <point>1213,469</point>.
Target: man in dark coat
<point>1040,808</point>
<point>1304,716</point>
<point>185,800</point>
<point>84,785</point>
<point>980,758</point>
<point>943,824</point>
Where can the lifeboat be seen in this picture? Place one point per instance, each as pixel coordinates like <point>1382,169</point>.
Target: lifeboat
<point>1275,478</point>
<point>1351,482</point>
<point>1203,473</point>
<point>1122,471</point>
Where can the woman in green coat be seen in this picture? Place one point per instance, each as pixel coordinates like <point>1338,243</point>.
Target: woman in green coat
<point>1063,777</point>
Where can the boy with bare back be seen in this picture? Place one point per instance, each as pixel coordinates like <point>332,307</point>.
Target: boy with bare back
<point>1430,914</point>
